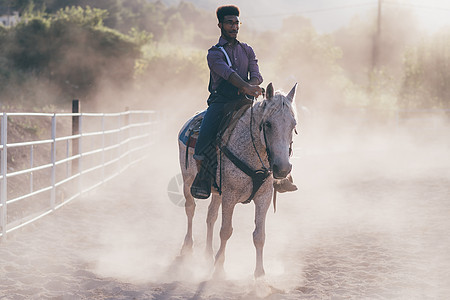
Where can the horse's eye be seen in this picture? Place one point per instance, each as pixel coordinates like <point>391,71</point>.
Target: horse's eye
<point>268,125</point>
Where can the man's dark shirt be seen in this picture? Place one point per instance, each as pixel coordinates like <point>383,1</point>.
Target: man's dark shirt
<point>243,60</point>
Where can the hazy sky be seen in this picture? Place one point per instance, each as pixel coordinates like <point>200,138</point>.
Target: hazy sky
<point>328,15</point>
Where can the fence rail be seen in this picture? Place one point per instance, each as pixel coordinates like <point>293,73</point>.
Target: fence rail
<point>103,146</point>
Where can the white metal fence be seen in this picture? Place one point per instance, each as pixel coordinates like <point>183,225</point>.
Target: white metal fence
<point>40,176</point>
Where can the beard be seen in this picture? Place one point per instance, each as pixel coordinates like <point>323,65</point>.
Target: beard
<point>230,35</point>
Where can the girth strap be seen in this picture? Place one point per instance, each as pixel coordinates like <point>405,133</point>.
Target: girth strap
<point>258,176</point>
<point>188,143</point>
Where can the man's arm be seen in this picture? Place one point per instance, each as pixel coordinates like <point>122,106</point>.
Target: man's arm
<point>217,64</point>
<point>254,81</point>
<point>253,68</point>
<point>247,88</point>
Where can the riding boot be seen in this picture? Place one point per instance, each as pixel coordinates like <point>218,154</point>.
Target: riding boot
<point>284,185</point>
<point>201,187</point>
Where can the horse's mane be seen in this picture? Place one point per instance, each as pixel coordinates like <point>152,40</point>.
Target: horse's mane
<point>278,102</point>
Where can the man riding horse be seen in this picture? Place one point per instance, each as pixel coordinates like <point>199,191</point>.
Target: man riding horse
<point>231,63</point>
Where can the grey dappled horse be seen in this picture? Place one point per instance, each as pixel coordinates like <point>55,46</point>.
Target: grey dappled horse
<point>272,124</point>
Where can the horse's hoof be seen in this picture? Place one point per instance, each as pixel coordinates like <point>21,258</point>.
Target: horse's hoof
<point>259,274</point>
<point>209,258</point>
<point>219,274</point>
<point>188,245</point>
<point>262,288</point>
<point>186,251</point>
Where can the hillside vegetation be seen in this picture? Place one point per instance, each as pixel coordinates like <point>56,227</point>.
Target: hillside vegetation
<point>117,53</point>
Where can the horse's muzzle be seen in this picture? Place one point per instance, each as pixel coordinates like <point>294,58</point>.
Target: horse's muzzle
<point>280,172</point>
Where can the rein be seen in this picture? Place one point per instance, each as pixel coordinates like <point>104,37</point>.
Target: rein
<point>258,176</point>
<point>265,140</point>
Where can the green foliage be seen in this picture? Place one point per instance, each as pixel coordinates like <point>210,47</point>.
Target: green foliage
<point>382,90</point>
<point>29,48</point>
<point>77,16</point>
<point>427,74</point>
<point>309,58</point>
<point>141,38</point>
<point>73,50</point>
<point>72,47</point>
<point>3,35</point>
<point>173,24</point>
<point>184,65</point>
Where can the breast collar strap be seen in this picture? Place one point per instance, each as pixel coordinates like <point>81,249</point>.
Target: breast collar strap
<point>258,176</point>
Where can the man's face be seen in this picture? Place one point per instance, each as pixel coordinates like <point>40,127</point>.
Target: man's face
<point>230,27</point>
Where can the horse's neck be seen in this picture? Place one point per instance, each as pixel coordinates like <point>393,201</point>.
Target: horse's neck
<point>240,141</point>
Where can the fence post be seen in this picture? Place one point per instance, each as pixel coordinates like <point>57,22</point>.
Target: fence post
<point>127,135</point>
<point>80,152</point>
<point>31,166</point>
<point>67,156</point>
<point>53,158</point>
<point>103,147</point>
<point>4,170</point>
<point>119,143</point>
<point>76,143</point>
<point>75,131</point>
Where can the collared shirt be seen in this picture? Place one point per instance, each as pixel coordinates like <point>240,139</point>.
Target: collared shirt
<point>243,61</point>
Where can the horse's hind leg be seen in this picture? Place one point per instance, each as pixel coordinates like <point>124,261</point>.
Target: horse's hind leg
<point>213,210</point>
<point>189,207</point>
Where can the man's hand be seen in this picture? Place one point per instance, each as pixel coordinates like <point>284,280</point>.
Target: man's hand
<point>244,87</point>
<point>251,90</point>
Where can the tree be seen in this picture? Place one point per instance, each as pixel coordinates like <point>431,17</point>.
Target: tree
<point>427,74</point>
<point>73,50</point>
<point>398,31</point>
<point>309,58</point>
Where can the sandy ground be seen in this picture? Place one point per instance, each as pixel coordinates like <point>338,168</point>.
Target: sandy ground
<point>364,225</point>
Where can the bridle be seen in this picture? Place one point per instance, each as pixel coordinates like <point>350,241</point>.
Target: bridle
<point>258,176</point>
<point>262,127</point>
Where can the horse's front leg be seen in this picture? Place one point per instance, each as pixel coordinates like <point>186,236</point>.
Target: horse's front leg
<point>225,233</point>
<point>189,207</point>
<point>213,210</point>
<point>259,235</point>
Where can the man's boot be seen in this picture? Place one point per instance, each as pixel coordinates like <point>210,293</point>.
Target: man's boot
<point>284,185</point>
<point>201,187</point>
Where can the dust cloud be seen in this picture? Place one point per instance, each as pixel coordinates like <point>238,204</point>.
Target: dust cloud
<point>370,219</point>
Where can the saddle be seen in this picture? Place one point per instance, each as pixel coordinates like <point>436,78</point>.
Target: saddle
<point>233,112</point>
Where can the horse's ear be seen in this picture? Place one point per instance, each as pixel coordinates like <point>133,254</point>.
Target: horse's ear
<point>291,95</point>
<point>269,91</point>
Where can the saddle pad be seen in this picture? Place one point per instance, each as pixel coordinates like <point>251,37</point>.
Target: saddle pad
<point>188,135</point>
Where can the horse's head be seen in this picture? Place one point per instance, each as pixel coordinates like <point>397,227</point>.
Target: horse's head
<point>277,127</point>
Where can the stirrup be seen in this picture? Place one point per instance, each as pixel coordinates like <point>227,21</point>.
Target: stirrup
<point>200,189</point>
